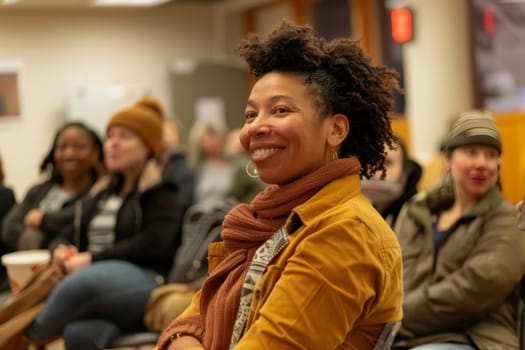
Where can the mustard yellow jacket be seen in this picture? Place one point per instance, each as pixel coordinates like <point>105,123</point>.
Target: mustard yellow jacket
<point>335,285</point>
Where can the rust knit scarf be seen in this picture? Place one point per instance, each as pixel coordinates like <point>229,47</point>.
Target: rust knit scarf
<point>245,228</point>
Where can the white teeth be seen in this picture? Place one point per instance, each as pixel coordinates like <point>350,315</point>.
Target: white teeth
<point>263,151</point>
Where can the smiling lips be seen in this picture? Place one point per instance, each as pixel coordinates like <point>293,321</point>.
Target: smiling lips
<point>263,153</point>
<point>113,155</point>
<point>70,165</point>
<point>479,178</point>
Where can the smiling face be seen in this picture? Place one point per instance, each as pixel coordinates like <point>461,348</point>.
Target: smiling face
<point>124,151</point>
<point>75,154</point>
<point>474,169</point>
<point>284,134</point>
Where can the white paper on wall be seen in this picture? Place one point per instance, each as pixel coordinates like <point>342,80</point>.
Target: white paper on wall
<point>210,109</point>
<point>94,105</point>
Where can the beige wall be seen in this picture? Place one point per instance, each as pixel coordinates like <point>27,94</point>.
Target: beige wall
<point>58,50</point>
<point>437,67</point>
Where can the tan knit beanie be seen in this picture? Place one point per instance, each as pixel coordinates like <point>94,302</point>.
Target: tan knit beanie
<point>473,127</point>
<point>145,118</point>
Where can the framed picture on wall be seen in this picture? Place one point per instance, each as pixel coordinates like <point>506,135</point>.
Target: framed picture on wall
<point>10,91</point>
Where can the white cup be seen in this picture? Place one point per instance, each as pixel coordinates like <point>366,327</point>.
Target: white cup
<point>24,264</point>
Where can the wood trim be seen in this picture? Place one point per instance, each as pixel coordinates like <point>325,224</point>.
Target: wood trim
<point>301,11</point>
<point>363,29</point>
<point>511,125</point>
<point>477,98</point>
<point>248,19</point>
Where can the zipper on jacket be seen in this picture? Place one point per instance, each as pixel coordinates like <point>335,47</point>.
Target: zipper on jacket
<point>138,212</point>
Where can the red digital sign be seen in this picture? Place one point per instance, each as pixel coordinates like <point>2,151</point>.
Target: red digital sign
<point>402,24</point>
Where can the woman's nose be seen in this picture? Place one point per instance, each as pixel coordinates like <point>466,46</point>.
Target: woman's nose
<point>481,160</point>
<point>111,140</point>
<point>69,152</point>
<point>263,130</point>
<point>259,126</point>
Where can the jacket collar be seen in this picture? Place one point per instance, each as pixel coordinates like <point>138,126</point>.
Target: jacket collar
<point>438,199</point>
<point>337,191</point>
<point>485,203</point>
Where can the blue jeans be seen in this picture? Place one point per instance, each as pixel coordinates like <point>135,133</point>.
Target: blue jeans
<point>91,307</point>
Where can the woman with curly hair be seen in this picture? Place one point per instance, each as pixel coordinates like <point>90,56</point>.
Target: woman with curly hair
<point>309,263</point>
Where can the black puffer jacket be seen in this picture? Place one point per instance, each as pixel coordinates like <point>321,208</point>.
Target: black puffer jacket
<point>147,225</point>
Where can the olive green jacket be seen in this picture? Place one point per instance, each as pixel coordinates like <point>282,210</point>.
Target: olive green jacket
<point>467,290</point>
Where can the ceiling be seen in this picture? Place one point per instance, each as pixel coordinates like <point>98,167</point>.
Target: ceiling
<point>78,4</point>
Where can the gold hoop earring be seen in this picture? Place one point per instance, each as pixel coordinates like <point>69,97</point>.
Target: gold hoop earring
<point>251,170</point>
<point>335,155</point>
<point>448,182</point>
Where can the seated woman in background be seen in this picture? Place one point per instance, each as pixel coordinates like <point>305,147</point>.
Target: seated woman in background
<point>462,251</point>
<point>206,157</point>
<point>400,184</point>
<point>309,263</point>
<point>72,165</point>
<point>123,237</point>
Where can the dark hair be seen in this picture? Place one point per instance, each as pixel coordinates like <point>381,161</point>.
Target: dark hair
<point>48,163</point>
<point>342,77</point>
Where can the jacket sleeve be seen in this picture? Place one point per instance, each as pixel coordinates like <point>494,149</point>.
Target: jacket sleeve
<point>189,322</point>
<point>336,277</point>
<point>483,282</point>
<point>160,224</point>
<point>13,224</point>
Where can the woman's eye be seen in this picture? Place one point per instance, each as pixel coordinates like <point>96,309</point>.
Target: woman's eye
<point>250,115</point>
<point>281,110</point>
<point>492,155</point>
<point>80,147</point>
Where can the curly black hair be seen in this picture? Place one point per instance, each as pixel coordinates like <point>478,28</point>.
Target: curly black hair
<point>48,163</point>
<point>343,80</point>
